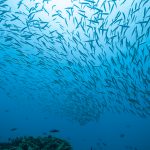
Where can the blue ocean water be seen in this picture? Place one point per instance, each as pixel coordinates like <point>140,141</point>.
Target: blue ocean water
<point>78,66</point>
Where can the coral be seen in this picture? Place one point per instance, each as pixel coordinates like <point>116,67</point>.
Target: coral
<point>38,143</point>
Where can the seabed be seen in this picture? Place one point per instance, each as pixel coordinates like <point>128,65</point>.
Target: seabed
<point>36,143</point>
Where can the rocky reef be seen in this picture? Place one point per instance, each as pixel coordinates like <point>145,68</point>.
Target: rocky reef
<point>36,143</point>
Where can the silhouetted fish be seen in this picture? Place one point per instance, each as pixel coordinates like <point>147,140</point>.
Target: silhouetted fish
<point>54,131</point>
<point>13,129</point>
<point>122,135</point>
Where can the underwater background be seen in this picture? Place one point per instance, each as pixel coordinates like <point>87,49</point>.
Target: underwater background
<point>77,67</point>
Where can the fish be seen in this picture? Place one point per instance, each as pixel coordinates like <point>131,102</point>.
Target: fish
<point>54,131</point>
<point>92,59</point>
<point>13,129</point>
<point>122,135</point>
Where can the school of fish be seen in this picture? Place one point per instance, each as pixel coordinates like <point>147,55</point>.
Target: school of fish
<point>86,58</point>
